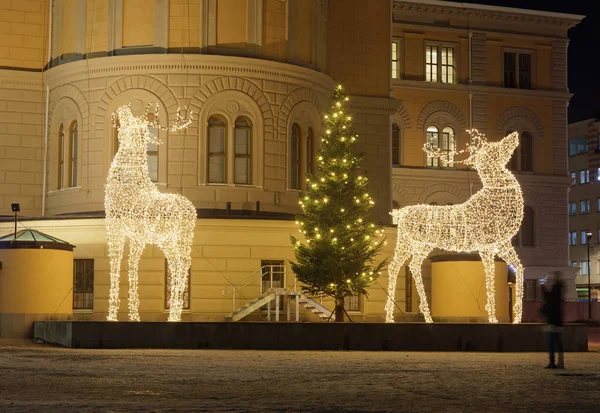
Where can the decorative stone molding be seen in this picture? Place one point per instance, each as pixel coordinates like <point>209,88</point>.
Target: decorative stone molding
<point>519,112</point>
<point>295,97</point>
<point>441,106</point>
<point>448,191</point>
<point>75,94</point>
<point>402,118</point>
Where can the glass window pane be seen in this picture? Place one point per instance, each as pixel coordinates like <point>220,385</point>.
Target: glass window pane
<point>153,167</point>
<point>217,140</point>
<point>242,141</point>
<point>216,169</point>
<point>242,170</point>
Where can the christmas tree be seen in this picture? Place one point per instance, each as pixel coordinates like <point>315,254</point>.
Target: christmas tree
<point>337,257</point>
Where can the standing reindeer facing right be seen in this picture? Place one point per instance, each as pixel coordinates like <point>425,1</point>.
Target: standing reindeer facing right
<point>486,223</point>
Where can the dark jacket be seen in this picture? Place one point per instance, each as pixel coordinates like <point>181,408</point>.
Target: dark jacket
<point>552,307</point>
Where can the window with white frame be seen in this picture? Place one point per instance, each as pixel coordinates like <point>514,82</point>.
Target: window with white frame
<point>584,206</point>
<point>217,152</point>
<point>584,176</point>
<point>573,208</point>
<point>440,63</point>
<point>395,145</point>
<point>517,69</point>
<point>433,139</point>
<point>583,237</point>
<point>243,142</point>
<point>573,238</point>
<point>446,146</point>
<point>396,59</point>
<point>73,150</point>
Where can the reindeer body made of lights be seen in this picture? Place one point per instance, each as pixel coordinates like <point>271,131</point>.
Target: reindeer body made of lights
<point>485,223</point>
<point>136,210</point>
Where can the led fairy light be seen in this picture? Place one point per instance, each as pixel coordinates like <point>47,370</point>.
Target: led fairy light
<point>485,223</point>
<point>135,209</point>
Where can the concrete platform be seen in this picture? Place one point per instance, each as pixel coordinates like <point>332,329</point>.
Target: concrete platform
<point>306,336</point>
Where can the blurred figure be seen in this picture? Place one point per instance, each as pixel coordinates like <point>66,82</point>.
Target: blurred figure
<point>552,309</point>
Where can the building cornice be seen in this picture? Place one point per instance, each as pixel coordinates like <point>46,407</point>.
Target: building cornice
<point>482,90</point>
<point>480,11</point>
<point>18,79</point>
<point>192,64</point>
<point>375,105</point>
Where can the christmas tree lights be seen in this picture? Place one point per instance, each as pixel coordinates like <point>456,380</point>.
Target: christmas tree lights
<point>485,223</point>
<point>340,243</point>
<point>135,209</point>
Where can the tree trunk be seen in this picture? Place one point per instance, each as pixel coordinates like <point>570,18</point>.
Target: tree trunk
<point>339,309</point>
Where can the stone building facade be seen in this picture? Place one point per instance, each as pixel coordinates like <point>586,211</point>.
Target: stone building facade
<point>268,66</point>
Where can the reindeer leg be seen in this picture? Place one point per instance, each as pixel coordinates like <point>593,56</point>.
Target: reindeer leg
<point>415,267</point>
<point>116,244</point>
<point>398,261</point>
<point>179,264</point>
<point>487,257</point>
<point>135,252</point>
<point>509,255</point>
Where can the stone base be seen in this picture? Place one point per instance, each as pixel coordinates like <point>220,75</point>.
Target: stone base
<point>306,336</point>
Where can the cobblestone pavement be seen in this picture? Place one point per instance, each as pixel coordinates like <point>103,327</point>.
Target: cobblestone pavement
<point>36,378</point>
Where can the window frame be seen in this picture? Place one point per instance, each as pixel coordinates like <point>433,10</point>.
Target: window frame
<point>438,64</point>
<point>583,237</point>
<point>248,156</point>
<point>573,208</point>
<point>396,140</point>
<point>354,304</point>
<point>517,70</point>
<point>395,62</point>
<point>295,180</point>
<point>310,151</point>
<point>585,174</point>
<point>584,207</point>
<point>88,303</point>
<point>61,157</point>
<point>73,165</point>
<point>210,154</point>
<point>572,238</point>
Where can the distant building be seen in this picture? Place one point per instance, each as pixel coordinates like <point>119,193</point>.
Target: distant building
<point>584,204</point>
<point>257,74</point>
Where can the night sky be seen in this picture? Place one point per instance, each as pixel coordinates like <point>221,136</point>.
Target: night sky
<point>584,50</point>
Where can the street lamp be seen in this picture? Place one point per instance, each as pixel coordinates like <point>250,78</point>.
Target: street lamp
<point>589,271</point>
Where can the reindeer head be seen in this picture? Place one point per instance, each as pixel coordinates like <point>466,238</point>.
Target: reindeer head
<point>486,155</point>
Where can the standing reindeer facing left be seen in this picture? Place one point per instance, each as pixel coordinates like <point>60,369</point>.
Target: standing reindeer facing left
<point>485,223</point>
<point>135,209</point>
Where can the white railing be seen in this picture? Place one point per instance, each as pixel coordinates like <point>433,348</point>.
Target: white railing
<point>234,289</point>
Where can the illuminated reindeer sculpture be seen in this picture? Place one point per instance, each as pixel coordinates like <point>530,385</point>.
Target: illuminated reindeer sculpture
<point>486,223</point>
<point>135,209</point>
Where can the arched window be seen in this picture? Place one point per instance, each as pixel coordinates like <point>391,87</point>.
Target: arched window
<point>61,157</point>
<point>217,155</point>
<point>528,228</point>
<point>152,151</point>
<point>295,157</point>
<point>395,145</point>
<point>310,151</point>
<point>433,139</point>
<point>448,146</point>
<point>514,159</point>
<point>73,150</point>
<point>526,146</point>
<point>243,143</point>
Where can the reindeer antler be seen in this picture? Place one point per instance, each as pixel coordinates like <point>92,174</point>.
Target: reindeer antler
<point>478,140</point>
<point>180,123</point>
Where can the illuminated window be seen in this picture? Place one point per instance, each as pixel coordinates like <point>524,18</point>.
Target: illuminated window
<point>217,155</point>
<point>572,238</point>
<point>584,207</point>
<point>61,157</point>
<point>73,150</point>
<point>433,139</point>
<point>578,146</point>
<point>447,146</point>
<point>295,157</point>
<point>243,143</point>
<point>574,178</point>
<point>517,70</point>
<point>583,237</point>
<point>598,205</point>
<point>584,268</point>
<point>440,64</point>
<point>310,151</point>
<point>186,292</point>
<point>396,59</point>
<point>395,145</point>
<point>573,207</point>
<point>584,176</point>
<point>83,284</point>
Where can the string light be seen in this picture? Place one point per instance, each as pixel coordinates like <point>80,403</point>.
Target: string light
<point>135,209</point>
<point>485,223</point>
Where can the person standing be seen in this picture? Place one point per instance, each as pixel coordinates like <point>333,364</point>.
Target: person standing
<point>552,309</point>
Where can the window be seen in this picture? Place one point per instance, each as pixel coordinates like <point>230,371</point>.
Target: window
<point>573,178</point>
<point>61,157</point>
<point>584,268</point>
<point>574,264</point>
<point>531,290</point>
<point>573,207</point>
<point>83,284</point>
<point>217,155</point>
<point>295,157</point>
<point>572,238</point>
<point>526,148</point>
<point>517,70</point>
<point>584,176</point>
<point>243,143</point>
<point>310,151</point>
<point>598,205</point>
<point>584,206</point>
<point>273,276</point>
<point>395,145</point>
<point>583,237</point>
<point>396,59</point>
<point>152,151</point>
<point>528,228</point>
<point>598,175</point>
<point>408,284</point>
<point>578,146</point>
<point>73,145</point>
<point>434,142</point>
<point>448,146</point>
<point>186,291</point>
<point>439,64</point>
<point>352,302</point>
